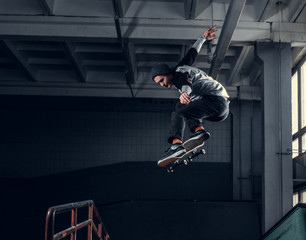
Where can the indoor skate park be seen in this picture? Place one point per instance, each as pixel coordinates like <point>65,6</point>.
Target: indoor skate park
<point>83,124</point>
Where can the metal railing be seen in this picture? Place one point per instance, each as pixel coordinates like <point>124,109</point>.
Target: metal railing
<point>93,213</point>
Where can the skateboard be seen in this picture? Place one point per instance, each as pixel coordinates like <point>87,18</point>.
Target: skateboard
<point>184,159</point>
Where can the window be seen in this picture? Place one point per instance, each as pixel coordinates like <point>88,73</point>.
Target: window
<point>304,142</point>
<point>295,199</point>
<point>299,197</point>
<point>298,101</point>
<point>295,103</point>
<point>295,148</point>
<point>303,196</point>
<point>303,94</point>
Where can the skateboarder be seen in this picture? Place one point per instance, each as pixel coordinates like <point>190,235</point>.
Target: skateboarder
<point>201,97</point>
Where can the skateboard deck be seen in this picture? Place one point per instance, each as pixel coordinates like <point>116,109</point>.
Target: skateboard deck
<point>176,159</point>
<point>185,161</point>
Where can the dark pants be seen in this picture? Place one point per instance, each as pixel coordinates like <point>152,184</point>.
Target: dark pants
<point>211,108</point>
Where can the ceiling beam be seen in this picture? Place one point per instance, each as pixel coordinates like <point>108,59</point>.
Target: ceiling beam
<point>183,51</point>
<point>84,89</point>
<point>231,20</point>
<point>129,56</point>
<point>255,72</point>
<point>12,51</point>
<point>153,31</point>
<point>69,49</point>
<point>147,65</point>
<point>118,8</point>
<point>206,65</point>
<point>238,65</point>
<point>244,93</point>
<point>295,9</point>
<point>127,48</point>
<point>132,59</point>
<point>122,6</point>
<point>190,9</point>
<point>51,28</point>
<point>297,54</point>
<point>143,31</point>
<point>46,7</point>
<point>262,7</point>
<point>147,90</point>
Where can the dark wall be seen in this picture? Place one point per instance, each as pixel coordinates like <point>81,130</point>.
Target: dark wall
<point>48,135</point>
<point>139,201</point>
<point>62,150</point>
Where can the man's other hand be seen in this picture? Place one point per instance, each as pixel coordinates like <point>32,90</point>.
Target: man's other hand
<point>185,98</point>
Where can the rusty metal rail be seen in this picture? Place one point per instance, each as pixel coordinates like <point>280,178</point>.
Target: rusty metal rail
<point>93,213</point>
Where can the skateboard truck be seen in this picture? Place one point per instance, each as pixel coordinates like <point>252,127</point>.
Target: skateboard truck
<point>185,161</point>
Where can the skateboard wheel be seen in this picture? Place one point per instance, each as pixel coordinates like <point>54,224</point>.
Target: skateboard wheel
<point>170,170</point>
<point>185,162</point>
<point>203,151</point>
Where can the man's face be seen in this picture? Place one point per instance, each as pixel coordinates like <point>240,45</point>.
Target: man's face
<point>164,80</point>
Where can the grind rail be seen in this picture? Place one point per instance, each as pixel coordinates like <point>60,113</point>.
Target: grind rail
<point>93,214</point>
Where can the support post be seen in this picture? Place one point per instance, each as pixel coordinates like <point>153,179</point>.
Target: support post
<point>276,127</point>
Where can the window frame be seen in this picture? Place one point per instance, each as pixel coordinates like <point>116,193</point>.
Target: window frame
<point>301,130</point>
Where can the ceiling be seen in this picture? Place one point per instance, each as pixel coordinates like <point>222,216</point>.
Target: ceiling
<point>106,48</point>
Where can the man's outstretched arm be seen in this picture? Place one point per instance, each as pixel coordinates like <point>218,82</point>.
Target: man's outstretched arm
<point>193,52</point>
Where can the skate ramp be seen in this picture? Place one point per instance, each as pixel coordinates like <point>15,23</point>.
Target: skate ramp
<point>291,226</point>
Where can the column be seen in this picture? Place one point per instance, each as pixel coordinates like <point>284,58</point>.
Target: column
<point>276,127</point>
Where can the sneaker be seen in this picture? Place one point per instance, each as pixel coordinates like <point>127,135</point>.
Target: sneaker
<point>197,139</point>
<point>176,150</point>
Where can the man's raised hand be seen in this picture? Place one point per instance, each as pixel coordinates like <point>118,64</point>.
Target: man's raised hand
<point>209,34</point>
